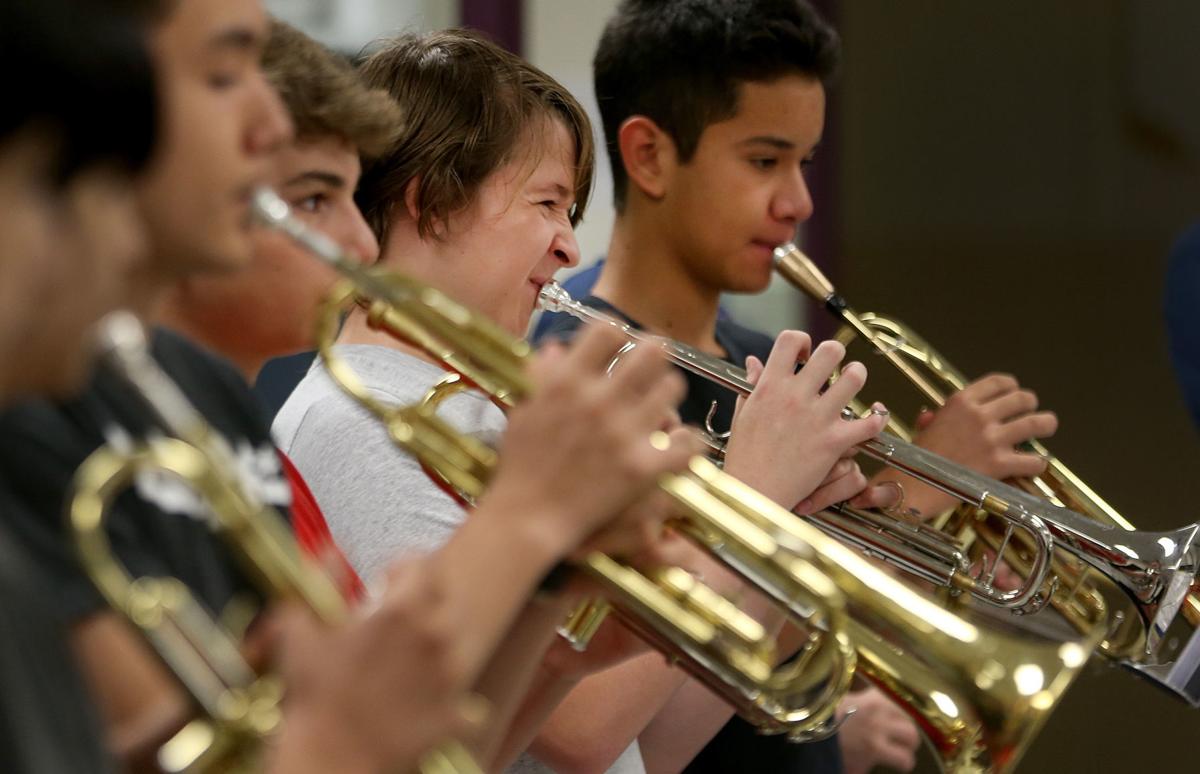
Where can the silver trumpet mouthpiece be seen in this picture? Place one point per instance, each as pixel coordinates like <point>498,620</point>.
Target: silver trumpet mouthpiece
<point>270,210</point>
<point>120,332</point>
<point>553,298</point>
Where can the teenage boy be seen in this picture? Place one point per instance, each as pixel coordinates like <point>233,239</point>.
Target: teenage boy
<point>67,218</point>
<point>222,126</point>
<point>268,309</point>
<point>712,109</point>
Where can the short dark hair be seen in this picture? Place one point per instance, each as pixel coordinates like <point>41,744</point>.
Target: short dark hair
<point>326,96</point>
<point>467,104</point>
<point>680,63</point>
<point>79,71</point>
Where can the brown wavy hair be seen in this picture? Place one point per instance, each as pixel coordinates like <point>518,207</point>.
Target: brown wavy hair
<point>467,105</point>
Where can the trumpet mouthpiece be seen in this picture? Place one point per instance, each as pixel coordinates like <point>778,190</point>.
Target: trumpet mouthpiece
<point>268,208</point>
<point>553,298</point>
<point>120,332</point>
<point>800,270</point>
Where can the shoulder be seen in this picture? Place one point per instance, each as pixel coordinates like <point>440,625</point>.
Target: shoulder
<point>213,385</point>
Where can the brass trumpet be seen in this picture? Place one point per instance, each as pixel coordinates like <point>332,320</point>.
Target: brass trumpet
<point>980,696</point>
<point>1104,572</point>
<point>239,707</point>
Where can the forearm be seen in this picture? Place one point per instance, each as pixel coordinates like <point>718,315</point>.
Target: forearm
<point>512,682</point>
<point>310,746</point>
<point>545,694</point>
<point>489,569</point>
<point>694,714</point>
<point>605,713</point>
<point>687,723</point>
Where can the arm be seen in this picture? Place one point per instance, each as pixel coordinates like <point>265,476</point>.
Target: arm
<point>140,703</point>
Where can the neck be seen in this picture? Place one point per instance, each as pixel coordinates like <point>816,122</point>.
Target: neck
<point>173,313</point>
<point>186,307</point>
<point>149,289</point>
<point>646,277</point>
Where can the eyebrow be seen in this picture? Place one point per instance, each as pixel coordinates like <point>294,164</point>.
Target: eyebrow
<point>238,39</point>
<point>559,190</point>
<point>774,142</point>
<point>314,176</point>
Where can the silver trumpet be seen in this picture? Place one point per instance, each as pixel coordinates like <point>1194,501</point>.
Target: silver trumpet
<point>1155,569</point>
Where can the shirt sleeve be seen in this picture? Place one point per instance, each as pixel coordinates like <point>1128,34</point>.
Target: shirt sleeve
<point>377,499</point>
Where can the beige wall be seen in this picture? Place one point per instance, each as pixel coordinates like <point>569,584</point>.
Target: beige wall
<point>1012,177</point>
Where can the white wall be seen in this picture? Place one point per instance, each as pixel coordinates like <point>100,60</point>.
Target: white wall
<point>560,38</point>
<point>348,25</point>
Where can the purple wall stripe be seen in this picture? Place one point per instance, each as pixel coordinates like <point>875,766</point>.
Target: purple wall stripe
<point>500,19</point>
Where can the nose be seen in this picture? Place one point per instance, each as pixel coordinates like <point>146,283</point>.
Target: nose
<point>793,203</point>
<point>360,240</point>
<point>269,125</point>
<point>564,247</point>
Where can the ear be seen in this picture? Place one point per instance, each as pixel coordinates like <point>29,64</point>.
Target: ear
<point>648,155</point>
<point>411,204</point>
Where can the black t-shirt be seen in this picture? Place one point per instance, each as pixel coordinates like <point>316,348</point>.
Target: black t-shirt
<point>738,746</point>
<point>47,721</point>
<point>159,526</point>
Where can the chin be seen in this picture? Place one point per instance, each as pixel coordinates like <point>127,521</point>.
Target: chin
<point>750,282</point>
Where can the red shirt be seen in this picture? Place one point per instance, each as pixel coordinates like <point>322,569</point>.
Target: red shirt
<point>312,533</point>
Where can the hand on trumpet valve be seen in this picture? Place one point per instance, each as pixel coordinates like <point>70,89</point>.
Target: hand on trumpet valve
<point>982,424</point>
<point>789,437</point>
<point>582,448</point>
<point>638,531</point>
<point>980,427</point>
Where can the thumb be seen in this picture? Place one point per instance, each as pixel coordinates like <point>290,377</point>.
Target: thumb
<point>754,369</point>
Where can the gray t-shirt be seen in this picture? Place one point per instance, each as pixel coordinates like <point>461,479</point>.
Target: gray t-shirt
<point>378,501</point>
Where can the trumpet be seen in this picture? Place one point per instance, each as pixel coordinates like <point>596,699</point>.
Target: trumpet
<point>1155,571</point>
<point>1151,570</point>
<point>979,695</point>
<point>239,707</point>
